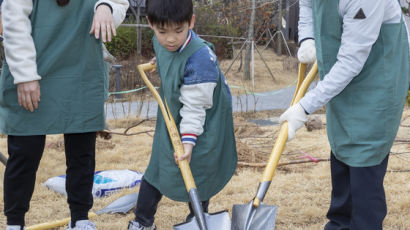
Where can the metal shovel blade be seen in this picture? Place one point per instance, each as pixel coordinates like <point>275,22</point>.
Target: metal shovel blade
<point>121,205</point>
<point>214,221</point>
<point>248,217</point>
<point>3,159</point>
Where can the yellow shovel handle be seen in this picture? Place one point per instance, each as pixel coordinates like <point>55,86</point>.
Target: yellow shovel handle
<point>55,224</point>
<point>301,77</point>
<point>283,132</point>
<point>172,129</point>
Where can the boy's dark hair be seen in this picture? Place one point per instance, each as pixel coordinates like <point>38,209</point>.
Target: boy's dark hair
<point>163,12</point>
<point>62,2</point>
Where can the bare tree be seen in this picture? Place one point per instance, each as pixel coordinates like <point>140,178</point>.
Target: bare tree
<point>137,15</point>
<point>249,43</point>
<point>139,4</point>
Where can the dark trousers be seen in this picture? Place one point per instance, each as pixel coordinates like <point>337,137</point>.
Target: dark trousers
<point>24,157</point>
<point>147,204</point>
<point>358,200</point>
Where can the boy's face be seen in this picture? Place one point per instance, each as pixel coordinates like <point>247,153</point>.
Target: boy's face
<point>172,36</point>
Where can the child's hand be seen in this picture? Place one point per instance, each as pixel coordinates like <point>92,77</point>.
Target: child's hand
<point>187,153</point>
<point>103,23</point>
<point>153,61</point>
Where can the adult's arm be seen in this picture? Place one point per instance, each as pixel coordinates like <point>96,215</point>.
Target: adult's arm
<point>18,43</point>
<point>358,37</point>
<point>305,26</point>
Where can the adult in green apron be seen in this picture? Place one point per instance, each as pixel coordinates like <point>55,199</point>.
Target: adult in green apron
<point>53,53</point>
<point>362,53</point>
<point>200,102</point>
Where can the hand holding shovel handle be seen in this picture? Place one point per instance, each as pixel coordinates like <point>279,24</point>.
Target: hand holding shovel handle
<point>255,215</point>
<point>179,150</point>
<point>172,129</point>
<point>301,88</point>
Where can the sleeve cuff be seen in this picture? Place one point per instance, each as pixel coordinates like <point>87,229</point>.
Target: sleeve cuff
<point>306,106</point>
<point>304,109</point>
<point>188,138</point>
<point>103,3</point>
<point>22,80</point>
<point>300,42</point>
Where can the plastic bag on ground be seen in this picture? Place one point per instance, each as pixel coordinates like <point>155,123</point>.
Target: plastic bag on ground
<point>105,182</point>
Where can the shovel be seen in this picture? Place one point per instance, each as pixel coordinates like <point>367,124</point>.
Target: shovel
<point>120,205</point>
<point>3,159</point>
<point>255,215</point>
<point>202,221</point>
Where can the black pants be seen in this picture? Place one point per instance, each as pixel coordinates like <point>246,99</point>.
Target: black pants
<point>147,204</point>
<point>358,200</point>
<point>24,157</point>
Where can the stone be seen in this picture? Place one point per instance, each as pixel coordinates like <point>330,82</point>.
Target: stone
<point>314,122</point>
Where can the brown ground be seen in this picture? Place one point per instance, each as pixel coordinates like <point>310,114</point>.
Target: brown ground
<point>301,191</point>
<point>283,70</point>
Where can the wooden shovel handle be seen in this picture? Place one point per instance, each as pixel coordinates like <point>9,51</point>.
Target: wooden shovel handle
<point>301,77</point>
<point>56,224</point>
<point>172,128</point>
<point>301,88</point>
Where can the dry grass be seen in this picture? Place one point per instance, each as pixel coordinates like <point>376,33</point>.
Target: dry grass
<point>263,80</point>
<point>301,191</point>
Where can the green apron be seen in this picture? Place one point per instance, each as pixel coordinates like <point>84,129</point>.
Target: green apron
<point>214,156</point>
<point>362,121</point>
<point>74,77</point>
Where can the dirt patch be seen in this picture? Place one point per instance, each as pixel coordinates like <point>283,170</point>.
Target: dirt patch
<point>247,130</point>
<point>104,144</point>
<point>58,144</point>
<point>245,154</point>
<point>284,73</point>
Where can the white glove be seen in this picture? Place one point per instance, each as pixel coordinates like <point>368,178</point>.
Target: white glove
<point>296,117</point>
<point>307,51</point>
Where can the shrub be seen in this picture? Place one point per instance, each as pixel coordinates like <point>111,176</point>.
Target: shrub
<point>405,10</point>
<point>408,98</point>
<point>124,45</point>
<point>208,23</point>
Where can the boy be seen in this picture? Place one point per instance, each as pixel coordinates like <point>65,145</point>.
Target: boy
<point>200,102</point>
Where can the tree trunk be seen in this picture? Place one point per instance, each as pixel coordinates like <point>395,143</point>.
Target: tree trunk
<point>279,29</point>
<point>246,69</point>
<point>132,9</point>
<point>139,28</point>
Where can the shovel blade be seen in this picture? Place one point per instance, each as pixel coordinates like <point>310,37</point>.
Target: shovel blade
<point>121,205</point>
<point>214,221</point>
<point>248,217</point>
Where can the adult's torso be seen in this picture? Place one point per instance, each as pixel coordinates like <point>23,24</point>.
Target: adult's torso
<point>362,121</point>
<point>70,62</point>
